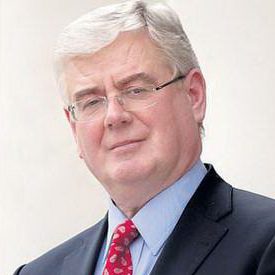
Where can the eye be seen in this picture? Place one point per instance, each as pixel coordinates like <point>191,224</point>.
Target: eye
<point>138,92</point>
<point>91,103</point>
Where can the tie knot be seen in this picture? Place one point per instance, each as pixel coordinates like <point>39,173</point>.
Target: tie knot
<point>125,233</point>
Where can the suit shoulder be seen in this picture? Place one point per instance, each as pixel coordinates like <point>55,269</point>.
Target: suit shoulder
<point>252,202</point>
<point>56,255</point>
<point>242,202</point>
<point>253,211</point>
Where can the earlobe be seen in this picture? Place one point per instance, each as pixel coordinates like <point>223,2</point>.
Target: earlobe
<point>80,153</point>
<point>67,114</point>
<point>73,127</point>
<point>196,90</point>
<point>72,123</point>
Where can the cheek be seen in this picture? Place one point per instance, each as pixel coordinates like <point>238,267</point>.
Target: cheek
<point>88,139</point>
<point>172,123</point>
<point>163,131</point>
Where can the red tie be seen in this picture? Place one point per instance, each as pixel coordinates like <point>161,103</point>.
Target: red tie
<point>119,257</point>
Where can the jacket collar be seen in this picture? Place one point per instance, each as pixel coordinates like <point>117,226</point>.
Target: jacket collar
<point>195,236</point>
<point>82,260</point>
<point>198,230</point>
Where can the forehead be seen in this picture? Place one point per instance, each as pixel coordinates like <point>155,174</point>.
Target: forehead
<point>130,53</point>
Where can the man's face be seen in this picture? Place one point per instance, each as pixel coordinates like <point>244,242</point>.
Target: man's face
<point>152,146</point>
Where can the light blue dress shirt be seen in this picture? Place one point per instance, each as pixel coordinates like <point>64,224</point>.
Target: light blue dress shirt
<point>155,221</point>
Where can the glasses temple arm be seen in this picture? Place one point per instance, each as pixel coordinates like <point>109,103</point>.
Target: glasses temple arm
<point>170,82</point>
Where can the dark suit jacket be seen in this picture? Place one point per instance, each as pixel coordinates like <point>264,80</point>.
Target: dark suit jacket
<point>222,231</point>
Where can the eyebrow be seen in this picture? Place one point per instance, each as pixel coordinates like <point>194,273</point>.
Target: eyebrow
<point>120,83</point>
<point>82,93</point>
<point>134,77</point>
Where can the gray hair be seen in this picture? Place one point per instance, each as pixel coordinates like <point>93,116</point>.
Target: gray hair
<point>100,27</point>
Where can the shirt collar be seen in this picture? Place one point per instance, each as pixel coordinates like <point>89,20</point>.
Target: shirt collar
<point>166,208</point>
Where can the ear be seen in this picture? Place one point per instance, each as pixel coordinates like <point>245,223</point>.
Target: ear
<point>71,122</point>
<point>196,91</point>
<point>73,127</point>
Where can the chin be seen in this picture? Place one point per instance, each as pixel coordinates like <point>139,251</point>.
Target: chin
<point>128,173</point>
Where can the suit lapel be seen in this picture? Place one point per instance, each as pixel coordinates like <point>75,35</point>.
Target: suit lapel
<point>193,239</point>
<point>198,230</point>
<point>82,260</point>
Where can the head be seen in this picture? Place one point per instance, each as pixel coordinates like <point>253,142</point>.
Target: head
<point>101,27</point>
<point>109,50</point>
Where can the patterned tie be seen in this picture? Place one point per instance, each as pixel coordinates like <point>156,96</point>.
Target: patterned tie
<point>119,257</point>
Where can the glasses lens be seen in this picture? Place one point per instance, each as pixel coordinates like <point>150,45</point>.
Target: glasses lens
<point>89,109</point>
<point>132,99</point>
<point>139,98</point>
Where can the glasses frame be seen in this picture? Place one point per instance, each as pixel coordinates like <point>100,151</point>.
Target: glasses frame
<point>71,107</point>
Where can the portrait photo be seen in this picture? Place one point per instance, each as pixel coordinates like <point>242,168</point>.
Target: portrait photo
<point>137,137</point>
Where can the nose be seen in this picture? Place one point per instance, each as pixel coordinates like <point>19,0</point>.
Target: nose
<point>116,116</point>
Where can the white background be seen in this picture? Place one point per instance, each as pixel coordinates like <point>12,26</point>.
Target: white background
<point>46,193</point>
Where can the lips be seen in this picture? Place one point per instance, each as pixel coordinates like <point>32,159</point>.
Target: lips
<point>124,143</point>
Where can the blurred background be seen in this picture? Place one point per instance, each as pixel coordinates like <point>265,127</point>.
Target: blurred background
<point>46,192</point>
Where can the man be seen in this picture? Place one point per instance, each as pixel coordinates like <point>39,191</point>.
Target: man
<point>135,100</point>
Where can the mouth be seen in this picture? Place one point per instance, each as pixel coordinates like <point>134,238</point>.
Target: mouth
<point>125,144</point>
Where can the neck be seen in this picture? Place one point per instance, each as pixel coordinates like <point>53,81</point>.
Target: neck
<point>130,212</point>
<point>130,207</point>
<point>132,197</point>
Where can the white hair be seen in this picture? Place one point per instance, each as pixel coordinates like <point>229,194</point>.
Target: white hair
<point>100,27</point>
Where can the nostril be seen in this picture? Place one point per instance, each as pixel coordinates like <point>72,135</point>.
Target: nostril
<point>116,116</point>
<point>111,124</point>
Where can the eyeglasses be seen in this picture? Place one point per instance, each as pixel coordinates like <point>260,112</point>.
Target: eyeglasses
<point>135,98</point>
